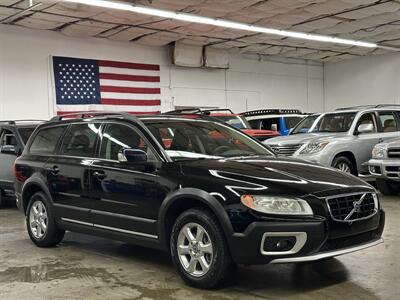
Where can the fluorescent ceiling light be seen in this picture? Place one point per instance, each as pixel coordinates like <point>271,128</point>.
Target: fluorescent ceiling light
<point>219,22</point>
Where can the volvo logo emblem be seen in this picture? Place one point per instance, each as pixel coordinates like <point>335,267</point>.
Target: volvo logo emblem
<point>356,207</point>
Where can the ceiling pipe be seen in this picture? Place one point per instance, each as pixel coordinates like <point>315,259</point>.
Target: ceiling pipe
<point>20,13</point>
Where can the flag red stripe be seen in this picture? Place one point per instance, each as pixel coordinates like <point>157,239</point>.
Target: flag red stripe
<point>129,90</point>
<point>117,64</point>
<point>129,77</point>
<point>130,102</point>
<point>61,113</point>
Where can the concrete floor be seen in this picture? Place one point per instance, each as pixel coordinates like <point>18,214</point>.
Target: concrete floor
<point>93,268</point>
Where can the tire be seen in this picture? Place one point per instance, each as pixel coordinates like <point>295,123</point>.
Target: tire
<point>216,256</point>
<point>344,164</point>
<point>39,212</point>
<point>387,187</point>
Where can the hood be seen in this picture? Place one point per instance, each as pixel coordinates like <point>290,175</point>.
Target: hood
<point>260,132</point>
<point>268,175</point>
<point>303,138</point>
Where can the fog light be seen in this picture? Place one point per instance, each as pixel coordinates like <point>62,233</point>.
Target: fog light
<point>279,243</point>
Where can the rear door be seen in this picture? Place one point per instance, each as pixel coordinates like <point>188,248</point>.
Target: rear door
<point>126,195</point>
<point>7,138</point>
<point>68,173</point>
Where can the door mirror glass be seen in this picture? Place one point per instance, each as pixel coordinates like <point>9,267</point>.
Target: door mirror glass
<point>365,128</point>
<point>132,155</point>
<point>9,149</point>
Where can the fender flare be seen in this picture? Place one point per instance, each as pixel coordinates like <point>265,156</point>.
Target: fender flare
<point>200,195</point>
<point>35,180</point>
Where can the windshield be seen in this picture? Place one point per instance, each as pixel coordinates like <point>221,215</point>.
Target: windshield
<point>188,139</point>
<point>305,125</point>
<point>25,133</point>
<point>334,122</point>
<point>235,121</point>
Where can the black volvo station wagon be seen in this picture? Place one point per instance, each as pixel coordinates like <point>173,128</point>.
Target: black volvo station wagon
<point>202,190</point>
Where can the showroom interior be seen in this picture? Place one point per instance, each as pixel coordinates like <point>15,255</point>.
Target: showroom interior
<point>298,199</point>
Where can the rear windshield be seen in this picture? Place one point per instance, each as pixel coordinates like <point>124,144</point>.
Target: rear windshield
<point>25,133</point>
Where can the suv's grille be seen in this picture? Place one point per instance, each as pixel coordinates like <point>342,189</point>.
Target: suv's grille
<point>394,152</point>
<point>352,207</point>
<point>286,150</point>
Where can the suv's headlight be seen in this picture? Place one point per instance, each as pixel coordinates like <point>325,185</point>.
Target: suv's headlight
<point>379,151</point>
<point>314,147</point>
<point>277,205</point>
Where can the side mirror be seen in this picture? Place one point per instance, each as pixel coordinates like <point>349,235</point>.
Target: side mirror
<point>132,155</point>
<point>274,127</point>
<point>365,128</point>
<point>9,149</point>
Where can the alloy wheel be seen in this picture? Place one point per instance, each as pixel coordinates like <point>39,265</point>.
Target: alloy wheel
<point>344,167</point>
<point>195,249</point>
<point>38,219</point>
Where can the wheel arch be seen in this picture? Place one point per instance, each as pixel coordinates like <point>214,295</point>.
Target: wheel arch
<point>350,155</point>
<point>33,185</point>
<point>184,199</point>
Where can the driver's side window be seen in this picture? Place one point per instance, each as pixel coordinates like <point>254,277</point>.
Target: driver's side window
<point>368,119</point>
<point>116,137</point>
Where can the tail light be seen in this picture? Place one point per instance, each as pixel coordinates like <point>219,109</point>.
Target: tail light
<point>19,176</point>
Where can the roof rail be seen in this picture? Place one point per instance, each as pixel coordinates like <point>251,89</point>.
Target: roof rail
<point>13,122</point>
<point>271,112</point>
<point>197,111</point>
<point>89,114</point>
<point>368,106</point>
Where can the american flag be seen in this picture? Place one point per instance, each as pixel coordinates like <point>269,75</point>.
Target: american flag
<point>103,85</point>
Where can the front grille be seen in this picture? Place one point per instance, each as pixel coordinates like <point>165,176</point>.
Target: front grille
<point>352,207</point>
<point>286,150</point>
<point>394,152</point>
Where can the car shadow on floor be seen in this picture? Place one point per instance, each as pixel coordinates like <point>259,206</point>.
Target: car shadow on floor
<point>283,279</point>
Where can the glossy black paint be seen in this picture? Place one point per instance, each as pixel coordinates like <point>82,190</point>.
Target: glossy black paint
<point>135,202</point>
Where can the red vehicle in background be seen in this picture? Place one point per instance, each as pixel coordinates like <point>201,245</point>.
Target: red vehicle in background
<point>235,120</point>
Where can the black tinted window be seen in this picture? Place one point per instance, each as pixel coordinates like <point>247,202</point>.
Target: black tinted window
<point>46,140</point>
<point>117,137</point>
<point>25,133</point>
<point>80,140</point>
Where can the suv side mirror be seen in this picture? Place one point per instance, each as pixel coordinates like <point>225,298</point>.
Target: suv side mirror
<point>9,149</point>
<point>365,128</point>
<point>132,155</point>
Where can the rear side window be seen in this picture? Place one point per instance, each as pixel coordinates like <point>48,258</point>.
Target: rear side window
<point>80,140</point>
<point>25,133</point>
<point>45,141</point>
<point>388,121</point>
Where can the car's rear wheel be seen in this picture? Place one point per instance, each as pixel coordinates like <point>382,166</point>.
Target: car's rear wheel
<point>387,187</point>
<point>40,222</point>
<point>344,164</point>
<point>199,250</point>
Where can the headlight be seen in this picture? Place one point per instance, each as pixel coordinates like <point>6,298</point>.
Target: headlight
<point>277,205</point>
<point>314,147</point>
<point>379,151</point>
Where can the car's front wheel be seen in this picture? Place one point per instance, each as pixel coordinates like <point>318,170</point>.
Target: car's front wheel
<point>42,228</point>
<point>344,164</point>
<point>387,187</point>
<point>199,250</point>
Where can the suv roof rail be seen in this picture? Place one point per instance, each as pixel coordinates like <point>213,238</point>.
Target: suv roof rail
<point>13,122</point>
<point>271,112</point>
<point>368,106</point>
<point>88,114</point>
<point>197,111</point>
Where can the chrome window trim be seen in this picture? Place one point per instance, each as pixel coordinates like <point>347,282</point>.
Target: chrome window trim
<point>301,239</point>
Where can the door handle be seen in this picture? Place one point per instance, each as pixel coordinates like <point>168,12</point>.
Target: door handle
<point>54,170</point>
<point>100,175</point>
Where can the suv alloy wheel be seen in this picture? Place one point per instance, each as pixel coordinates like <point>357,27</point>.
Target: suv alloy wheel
<point>199,250</point>
<point>40,223</point>
<point>344,164</point>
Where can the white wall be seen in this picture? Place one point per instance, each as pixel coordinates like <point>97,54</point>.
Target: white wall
<point>26,89</point>
<point>367,80</point>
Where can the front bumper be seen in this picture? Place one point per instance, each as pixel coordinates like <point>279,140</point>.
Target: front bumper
<point>315,240</point>
<point>385,168</point>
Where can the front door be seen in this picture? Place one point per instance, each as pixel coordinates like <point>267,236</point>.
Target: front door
<point>126,194</point>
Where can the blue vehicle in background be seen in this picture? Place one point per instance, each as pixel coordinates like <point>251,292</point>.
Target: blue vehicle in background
<point>281,120</point>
